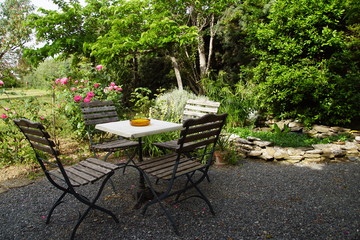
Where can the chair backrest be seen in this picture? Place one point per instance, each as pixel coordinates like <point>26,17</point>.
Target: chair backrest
<point>201,132</point>
<point>97,112</point>
<point>196,108</point>
<point>45,149</point>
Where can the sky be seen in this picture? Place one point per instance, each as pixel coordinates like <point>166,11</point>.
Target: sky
<point>46,4</point>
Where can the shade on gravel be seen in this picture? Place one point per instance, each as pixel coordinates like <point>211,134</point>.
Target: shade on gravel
<point>255,200</point>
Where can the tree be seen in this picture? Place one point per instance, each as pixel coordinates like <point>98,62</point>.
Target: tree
<point>14,34</point>
<point>305,67</point>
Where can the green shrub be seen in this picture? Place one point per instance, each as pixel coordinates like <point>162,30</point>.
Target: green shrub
<point>169,106</point>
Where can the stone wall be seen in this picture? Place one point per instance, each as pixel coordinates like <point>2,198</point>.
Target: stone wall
<point>256,148</point>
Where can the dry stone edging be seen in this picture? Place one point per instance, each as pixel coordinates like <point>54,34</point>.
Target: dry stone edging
<point>256,148</point>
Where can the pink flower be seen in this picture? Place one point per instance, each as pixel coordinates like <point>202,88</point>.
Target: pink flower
<point>73,89</point>
<point>96,85</point>
<point>87,99</point>
<point>112,84</point>
<point>77,98</point>
<point>1,83</point>
<point>90,94</point>
<point>76,81</point>
<point>57,81</point>
<point>42,118</point>
<point>99,67</point>
<point>64,80</point>
<point>119,89</point>
<point>7,109</point>
<point>3,116</point>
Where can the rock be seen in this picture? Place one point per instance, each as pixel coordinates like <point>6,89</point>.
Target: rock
<point>233,137</point>
<point>314,159</point>
<point>296,125</point>
<point>262,143</point>
<point>357,138</point>
<point>244,146</point>
<point>295,151</point>
<point>315,151</point>
<point>270,151</point>
<point>243,141</point>
<point>350,146</point>
<point>321,128</point>
<point>266,156</point>
<point>295,158</point>
<point>255,153</point>
<point>251,139</point>
<point>280,153</point>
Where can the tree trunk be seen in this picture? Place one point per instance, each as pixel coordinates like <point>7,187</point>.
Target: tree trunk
<point>177,72</point>
<point>202,57</point>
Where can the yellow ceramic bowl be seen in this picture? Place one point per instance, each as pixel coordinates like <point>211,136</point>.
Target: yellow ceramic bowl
<point>139,122</point>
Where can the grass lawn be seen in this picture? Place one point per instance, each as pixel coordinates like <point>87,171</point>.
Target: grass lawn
<point>21,92</point>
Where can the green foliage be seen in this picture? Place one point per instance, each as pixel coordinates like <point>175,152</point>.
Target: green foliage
<point>306,69</point>
<point>169,106</point>
<point>42,76</point>
<point>13,147</point>
<point>86,84</point>
<point>236,100</point>
<point>13,34</point>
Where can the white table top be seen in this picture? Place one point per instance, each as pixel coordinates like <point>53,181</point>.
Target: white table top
<point>124,129</point>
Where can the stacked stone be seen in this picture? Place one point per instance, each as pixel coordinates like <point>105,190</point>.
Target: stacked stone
<point>318,131</point>
<point>256,148</point>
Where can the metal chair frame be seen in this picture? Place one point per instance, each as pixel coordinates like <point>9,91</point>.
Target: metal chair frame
<point>197,133</point>
<point>67,179</point>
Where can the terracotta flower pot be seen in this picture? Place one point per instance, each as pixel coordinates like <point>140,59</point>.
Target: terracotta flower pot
<point>219,158</point>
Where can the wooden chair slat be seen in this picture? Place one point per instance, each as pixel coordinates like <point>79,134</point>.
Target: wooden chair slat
<point>41,140</point>
<point>88,110</point>
<point>35,132</point>
<point>198,136</point>
<point>45,148</point>
<point>196,108</point>
<point>201,128</point>
<point>194,145</point>
<point>90,171</point>
<point>203,102</point>
<point>95,167</point>
<point>87,177</point>
<point>101,120</point>
<point>100,115</point>
<point>96,103</point>
<point>102,163</point>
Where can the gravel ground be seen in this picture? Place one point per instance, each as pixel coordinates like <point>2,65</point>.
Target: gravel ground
<point>255,200</point>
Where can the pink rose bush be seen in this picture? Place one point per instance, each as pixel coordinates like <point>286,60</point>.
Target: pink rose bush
<point>90,86</point>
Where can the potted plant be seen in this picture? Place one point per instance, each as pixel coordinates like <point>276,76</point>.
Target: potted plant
<point>224,152</point>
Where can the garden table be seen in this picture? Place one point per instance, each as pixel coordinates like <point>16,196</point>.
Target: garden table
<point>124,129</point>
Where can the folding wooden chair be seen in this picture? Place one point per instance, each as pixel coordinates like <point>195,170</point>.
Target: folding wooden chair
<point>98,112</point>
<point>202,132</point>
<point>194,108</point>
<point>67,179</point>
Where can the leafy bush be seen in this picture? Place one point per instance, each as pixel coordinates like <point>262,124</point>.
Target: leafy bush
<point>86,84</point>
<point>307,62</point>
<point>13,147</point>
<point>236,100</point>
<point>169,106</point>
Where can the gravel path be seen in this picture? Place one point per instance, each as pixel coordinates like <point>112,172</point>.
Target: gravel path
<point>255,200</point>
